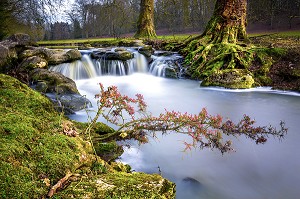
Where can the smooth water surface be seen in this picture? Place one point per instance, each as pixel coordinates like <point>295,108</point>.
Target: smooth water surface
<point>269,171</point>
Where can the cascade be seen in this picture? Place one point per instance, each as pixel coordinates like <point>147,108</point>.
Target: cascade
<point>163,61</point>
<point>80,69</point>
<point>88,68</point>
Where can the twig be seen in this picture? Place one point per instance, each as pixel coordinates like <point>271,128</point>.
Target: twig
<point>58,185</point>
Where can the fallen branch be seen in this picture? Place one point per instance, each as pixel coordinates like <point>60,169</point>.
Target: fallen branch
<point>59,184</point>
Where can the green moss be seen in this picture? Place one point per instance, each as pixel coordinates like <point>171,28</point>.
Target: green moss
<point>108,151</point>
<point>31,144</point>
<point>230,78</point>
<point>121,185</point>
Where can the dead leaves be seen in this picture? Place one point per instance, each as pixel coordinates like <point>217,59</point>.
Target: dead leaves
<point>69,129</point>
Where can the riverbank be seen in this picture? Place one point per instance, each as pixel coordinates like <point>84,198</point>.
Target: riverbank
<point>44,154</point>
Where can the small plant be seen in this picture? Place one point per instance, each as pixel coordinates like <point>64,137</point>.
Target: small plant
<point>133,120</point>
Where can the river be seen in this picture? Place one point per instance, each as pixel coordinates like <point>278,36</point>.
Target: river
<point>253,171</point>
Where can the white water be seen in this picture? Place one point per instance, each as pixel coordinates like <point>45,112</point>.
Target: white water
<point>89,68</point>
<point>269,171</point>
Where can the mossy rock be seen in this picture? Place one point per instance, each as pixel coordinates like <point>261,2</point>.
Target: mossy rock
<point>34,62</point>
<point>56,82</point>
<point>171,73</point>
<point>146,50</point>
<point>121,185</point>
<point>108,151</point>
<point>230,78</point>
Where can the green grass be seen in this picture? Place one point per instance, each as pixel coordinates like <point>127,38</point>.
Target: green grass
<point>292,33</point>
<point>75,41</point>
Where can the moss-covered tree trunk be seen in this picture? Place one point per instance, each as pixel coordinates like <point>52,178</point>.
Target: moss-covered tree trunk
<point>228,23</point>
<point>145,22</point>
<point>222,55</point>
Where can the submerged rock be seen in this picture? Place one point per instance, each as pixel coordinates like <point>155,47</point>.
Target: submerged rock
<point>230,78</point>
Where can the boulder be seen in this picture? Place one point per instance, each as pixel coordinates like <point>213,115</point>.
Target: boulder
<point>56,82</point>
<point>73,54</point>
<point>31,63</point>
<point>53,56</point>
<point>62,56</point>
<point>20,39</point>
<point>35,51</point>
<point>61,90</point>
<point>171,73</point>
<point>8,54</point>
<point>230,78</point>
<point>146,50</point>
<point>118,54</point>
<point>74,102</point>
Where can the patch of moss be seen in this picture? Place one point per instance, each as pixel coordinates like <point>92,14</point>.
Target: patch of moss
<point>116,185</point>
<point>230,78</point>
<point>32,146</point>
<point>108,151</point>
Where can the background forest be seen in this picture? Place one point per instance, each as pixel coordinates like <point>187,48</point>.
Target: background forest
<point>117,18</point>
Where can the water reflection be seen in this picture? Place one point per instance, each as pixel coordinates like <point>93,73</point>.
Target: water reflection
<point>252,172</point>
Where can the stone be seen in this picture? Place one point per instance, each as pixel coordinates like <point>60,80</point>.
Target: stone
<point>8,54</point>
<point>75,102</point>
<point>20,39</point>
<point>118,54</point>
<point>35,51</point>
<point>146,50</point>
<point>171,73</point>
<point>33,62</point>
<point>53,56</point>
<point>41,87</point>
<point>56,82</point>
<point>230,78</point>
<point>73,54</point>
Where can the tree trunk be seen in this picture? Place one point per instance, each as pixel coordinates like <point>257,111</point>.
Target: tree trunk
<point>228,23</point>
<point>223,55</point>
<point>223,43</point>
<point>146,20</point>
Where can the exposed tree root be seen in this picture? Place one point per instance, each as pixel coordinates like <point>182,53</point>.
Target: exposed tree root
<point>206,58</point>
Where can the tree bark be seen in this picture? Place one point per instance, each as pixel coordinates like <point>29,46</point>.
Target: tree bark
<point>228,23</point>
<point>145,23</point>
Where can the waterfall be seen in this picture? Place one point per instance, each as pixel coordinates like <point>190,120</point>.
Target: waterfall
<point>80,69</point>
<point>164,64</point>
<point>110,67</point>
<point>138,64</point>
<point>158,67</point>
